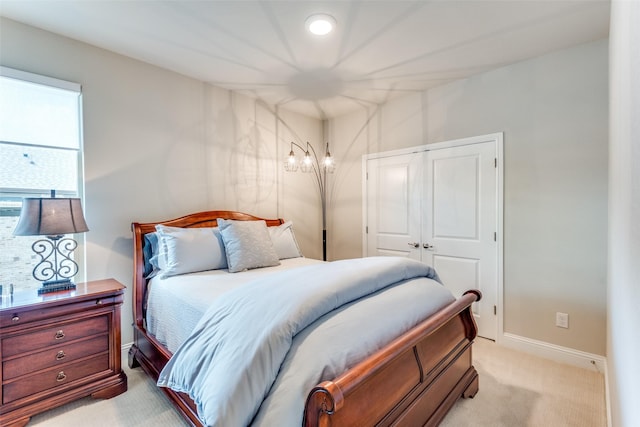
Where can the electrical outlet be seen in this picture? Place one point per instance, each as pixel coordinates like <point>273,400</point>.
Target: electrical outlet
<point>562,320</point>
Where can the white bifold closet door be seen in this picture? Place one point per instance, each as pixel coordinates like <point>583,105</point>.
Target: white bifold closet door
<point>440,207</point>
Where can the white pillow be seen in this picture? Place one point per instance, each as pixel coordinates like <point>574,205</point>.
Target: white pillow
<point>247,245</point>
<point>188,250</point>
<point>284,241</point>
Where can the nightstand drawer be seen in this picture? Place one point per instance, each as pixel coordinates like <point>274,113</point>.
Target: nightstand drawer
<point>55,335</point>
<point>53,378</point>
<point>54,356</point>
<point>23,315</point>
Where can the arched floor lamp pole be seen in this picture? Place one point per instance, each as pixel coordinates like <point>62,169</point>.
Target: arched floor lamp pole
<point>311,164</point>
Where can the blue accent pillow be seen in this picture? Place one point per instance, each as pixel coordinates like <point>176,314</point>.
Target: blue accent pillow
<point>247,245</point>
<point>150,250</point>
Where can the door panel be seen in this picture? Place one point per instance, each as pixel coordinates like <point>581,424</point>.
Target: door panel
<point>459,222</point>
<point>393,206</point>
<point>393,200</point>
<point>455,195</point>
<point>458,274</point>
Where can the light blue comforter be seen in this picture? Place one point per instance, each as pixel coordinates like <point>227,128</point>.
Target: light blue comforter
<point>231,360</point>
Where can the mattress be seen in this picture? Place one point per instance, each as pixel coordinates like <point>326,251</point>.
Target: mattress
<point>176,304</point>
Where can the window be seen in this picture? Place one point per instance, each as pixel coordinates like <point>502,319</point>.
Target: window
<point>40,151</point>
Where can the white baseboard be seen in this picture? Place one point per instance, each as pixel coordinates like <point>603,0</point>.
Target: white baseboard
<point>607,396</point>
<point>125,347</point>
<point>561,354</point>
<point>556,353</point>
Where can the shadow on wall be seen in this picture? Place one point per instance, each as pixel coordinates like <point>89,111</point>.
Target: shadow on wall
<point>351,150</point>
<point>252,171</point>
<point>344,195</point>
<point>241,154</point>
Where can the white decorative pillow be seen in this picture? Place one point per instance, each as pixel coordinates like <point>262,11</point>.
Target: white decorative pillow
<point>188,250</point>
<point>247,245</point>
<point>284,241</point>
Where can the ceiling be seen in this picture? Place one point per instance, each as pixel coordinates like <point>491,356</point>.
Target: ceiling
<point>379,50</point>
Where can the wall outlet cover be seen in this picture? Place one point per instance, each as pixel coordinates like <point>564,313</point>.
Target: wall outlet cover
<point>562,320</point>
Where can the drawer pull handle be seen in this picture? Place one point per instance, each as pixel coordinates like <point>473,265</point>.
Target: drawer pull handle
<point>60,355</point>
<point>15,318</point>
<point>59,334</point>
<point>61,376</point>
<point>99,302</point>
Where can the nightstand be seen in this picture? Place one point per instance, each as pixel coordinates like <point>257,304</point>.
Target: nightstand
<point>59,347</point>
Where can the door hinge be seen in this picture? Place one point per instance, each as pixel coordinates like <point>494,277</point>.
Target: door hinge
<point>367,174</point>
<point>495,310</point>
<point>495,236</point>
<point>495,162</point>
<point>366,229</point>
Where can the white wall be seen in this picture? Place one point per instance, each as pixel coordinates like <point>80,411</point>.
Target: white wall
<point>553,112</point>
<point>159,145</point>
<point>623,334</point>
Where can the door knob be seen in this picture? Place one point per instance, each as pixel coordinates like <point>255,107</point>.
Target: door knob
<point>414,244</point>
<point>427,246</point>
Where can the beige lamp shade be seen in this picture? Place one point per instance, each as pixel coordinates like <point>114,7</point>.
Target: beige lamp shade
<point>50,217</point>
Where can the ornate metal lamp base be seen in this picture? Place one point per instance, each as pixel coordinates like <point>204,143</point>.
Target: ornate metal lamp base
<point>56,264</point>
<point>56,285</point>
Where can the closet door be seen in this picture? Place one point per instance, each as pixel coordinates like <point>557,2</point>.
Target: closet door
<point>394,189</point>
<point>459,224</point>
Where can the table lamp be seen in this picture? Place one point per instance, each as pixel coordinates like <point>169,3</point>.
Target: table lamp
<point>53,218</point>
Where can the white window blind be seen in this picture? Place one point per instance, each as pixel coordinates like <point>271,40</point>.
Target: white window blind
<point>40,134</point>
<point>37,114</point>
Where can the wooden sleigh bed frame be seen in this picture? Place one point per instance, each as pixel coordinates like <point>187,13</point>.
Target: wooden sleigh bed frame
<point>414,380</point>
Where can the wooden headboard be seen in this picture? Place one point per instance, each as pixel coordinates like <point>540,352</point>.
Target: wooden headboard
<point>200,219</point>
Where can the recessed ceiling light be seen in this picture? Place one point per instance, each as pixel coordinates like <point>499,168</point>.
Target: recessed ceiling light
<point>320,24</point>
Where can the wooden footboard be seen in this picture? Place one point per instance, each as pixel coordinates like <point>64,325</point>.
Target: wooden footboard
<point>412,381</point>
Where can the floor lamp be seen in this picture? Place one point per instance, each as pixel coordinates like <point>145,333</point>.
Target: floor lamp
<point>311,164</point>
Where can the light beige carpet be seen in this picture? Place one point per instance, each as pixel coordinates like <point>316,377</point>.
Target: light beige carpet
<point>516,390</point>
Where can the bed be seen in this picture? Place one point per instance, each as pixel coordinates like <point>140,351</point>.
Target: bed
<point>412,379</point>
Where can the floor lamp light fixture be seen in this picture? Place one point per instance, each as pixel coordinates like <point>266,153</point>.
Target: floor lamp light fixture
<point>310,163</point>
<point>53,218</point>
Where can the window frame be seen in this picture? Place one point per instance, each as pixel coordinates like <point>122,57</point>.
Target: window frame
<point>19,193</point>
